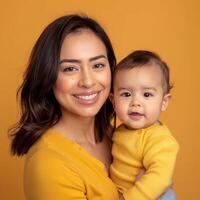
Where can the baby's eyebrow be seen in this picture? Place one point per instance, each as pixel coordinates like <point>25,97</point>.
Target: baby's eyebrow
<point>123,88</point>
<point>149,88</point>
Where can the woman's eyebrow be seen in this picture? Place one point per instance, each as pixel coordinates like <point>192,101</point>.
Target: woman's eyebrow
<point>78,61</point>
<point>69,61</point>
<point>97,57</point>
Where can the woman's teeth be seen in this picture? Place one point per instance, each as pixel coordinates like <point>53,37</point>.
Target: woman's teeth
<point>87,97</point>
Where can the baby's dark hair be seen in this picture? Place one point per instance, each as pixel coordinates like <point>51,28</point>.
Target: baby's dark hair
<point>141,58</point>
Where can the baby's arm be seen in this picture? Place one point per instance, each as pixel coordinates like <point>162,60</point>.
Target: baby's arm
<point>159,156</point>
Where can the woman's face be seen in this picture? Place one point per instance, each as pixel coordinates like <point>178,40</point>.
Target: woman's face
<point>84,77</point>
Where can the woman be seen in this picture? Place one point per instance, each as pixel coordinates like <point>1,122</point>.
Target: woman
<point>65,124</point>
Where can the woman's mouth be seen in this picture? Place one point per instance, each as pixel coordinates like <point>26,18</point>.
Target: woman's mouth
<point>87,98</point>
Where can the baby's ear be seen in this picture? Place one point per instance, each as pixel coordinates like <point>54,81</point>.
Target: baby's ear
<point>111,97</point>
<point>165,101</point>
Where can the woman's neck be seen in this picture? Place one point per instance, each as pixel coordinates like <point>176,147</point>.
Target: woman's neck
<point>79,129</point>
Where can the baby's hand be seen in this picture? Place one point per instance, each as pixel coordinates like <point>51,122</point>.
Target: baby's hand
<point>121,196</point>
<point>139,176</point>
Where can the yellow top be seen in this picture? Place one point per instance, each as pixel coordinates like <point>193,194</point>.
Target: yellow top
<point>59,169</point>
<point>152,148</point>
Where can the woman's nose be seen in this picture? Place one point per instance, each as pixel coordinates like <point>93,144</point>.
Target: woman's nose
<point>87,79</point>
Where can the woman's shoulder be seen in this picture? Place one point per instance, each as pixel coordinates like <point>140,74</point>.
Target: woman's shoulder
<point>51,157</point>
<point>49,146</point>
<point>47,167</point>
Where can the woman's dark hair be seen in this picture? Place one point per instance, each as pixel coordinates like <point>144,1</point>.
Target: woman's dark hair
<point>39,107</point>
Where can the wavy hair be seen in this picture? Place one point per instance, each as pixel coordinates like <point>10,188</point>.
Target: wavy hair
<point>39,107</point>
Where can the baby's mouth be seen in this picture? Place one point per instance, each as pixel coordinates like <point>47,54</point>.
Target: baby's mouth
<point>136,115</point>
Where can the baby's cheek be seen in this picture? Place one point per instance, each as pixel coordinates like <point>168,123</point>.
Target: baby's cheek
<point>121,112</point>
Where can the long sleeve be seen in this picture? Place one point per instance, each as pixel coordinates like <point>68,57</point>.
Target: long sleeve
<point>159,157</point>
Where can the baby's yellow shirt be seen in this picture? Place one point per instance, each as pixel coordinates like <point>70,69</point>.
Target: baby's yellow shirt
<point>154,149</point>
<point>59,169</point>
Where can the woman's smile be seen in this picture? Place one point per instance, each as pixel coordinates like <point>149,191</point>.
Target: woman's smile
<point>89,98</point>
<point>84,77</point>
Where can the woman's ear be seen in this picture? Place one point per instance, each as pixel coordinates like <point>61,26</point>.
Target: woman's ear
<point>111,97</point>
<point>165,101</point>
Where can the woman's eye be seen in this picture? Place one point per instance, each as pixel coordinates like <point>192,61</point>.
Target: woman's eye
<point>69,69</point>
<point>99,65</point>
<point>126,94</point>
<point>148,94</point>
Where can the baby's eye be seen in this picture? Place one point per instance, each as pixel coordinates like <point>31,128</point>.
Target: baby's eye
<point>148,94</point>
<point>99,65</point>
<point>125,94</point>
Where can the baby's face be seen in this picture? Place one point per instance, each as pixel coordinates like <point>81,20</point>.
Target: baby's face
<point>139,97</point>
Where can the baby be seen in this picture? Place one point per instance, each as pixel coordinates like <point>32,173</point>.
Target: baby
<point>141,91</point>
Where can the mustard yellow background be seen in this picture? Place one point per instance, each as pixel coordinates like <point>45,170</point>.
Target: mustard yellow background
<point>171,28</point>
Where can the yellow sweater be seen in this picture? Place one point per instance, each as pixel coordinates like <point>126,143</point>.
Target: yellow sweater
<point>152,148</point>
<point>59,169</point>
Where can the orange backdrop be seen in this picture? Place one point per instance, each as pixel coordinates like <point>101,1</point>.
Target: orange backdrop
<point>171,28</point>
